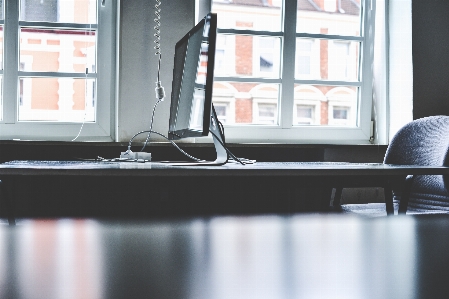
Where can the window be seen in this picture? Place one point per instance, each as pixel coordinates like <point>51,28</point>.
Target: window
<point>54,80</point>
<point>307,60</point>
<point>304,115</point>
<point>341,106</point>
<point>296,68</point>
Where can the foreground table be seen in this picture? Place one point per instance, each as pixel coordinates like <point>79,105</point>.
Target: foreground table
<point>148,190</point>
<point>309,256</point>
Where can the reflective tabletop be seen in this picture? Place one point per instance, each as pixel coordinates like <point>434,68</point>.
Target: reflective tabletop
<point>305,256</point>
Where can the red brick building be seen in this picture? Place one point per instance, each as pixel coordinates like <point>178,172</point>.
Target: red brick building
<point>252,56</point>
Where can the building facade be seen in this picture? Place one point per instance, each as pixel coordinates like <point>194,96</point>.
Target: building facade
<point>258,56</point>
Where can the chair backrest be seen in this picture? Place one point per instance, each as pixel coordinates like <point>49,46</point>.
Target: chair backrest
<point>423,141</point>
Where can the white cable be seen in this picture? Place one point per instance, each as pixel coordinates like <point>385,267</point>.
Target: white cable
<point>171,141</point>
<point>85,88</point>
<point>159,90</point>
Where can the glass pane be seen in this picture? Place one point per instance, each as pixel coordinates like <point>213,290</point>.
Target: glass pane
<point>305,114</point>
<point>246,103</point>
<point>1,47</point>
<point>64,11</point>
<point>223,112</point>
<point>329,17</point>
<point>325,105</point>
<point>57,99</point>
<point>323,59</point>
<point>248,14</point>
<point>1,98</point>
<point>245,55</point>
<point>1,10</point>
<point>49,50</point>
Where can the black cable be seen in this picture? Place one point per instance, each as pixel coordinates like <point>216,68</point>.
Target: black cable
<point>171,141</point>
<point>246,161</point>
<point>227,150</point>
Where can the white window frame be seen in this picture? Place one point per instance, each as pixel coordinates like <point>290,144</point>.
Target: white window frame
<point>314,56</point>
<point>285,132</point>
<point>103,129</point>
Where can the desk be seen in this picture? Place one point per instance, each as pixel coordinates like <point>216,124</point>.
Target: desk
<point>157,189</point>
<point>306,256</point>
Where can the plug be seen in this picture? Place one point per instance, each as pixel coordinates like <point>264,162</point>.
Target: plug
<point>159,90</point>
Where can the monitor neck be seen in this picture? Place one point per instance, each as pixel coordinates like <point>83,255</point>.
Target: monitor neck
<point>218,137</point>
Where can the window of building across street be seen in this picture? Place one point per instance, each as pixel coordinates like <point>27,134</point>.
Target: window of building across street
<point>296,70</point>
<point>54,82</point>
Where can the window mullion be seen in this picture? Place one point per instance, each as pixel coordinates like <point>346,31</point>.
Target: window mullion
<point>288,64</point>
<point>11,63</point>
<point>57,25</point>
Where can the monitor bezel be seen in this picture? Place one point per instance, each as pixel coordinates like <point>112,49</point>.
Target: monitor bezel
<point>211,19</point>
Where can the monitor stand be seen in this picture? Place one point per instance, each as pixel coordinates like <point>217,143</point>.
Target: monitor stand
<point>219,143</point>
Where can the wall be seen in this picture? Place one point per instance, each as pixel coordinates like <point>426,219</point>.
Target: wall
<point>430,58</point>
<point>138,62</point>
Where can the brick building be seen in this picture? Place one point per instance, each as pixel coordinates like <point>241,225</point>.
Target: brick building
<point>258,56</point>
<point>48,56</point>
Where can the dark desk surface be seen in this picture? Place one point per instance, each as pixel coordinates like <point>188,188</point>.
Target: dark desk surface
<point>309,256</point>
<point>80,189</point>
<point>230,169</point>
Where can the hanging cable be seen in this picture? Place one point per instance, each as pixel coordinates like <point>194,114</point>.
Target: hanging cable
<point>157,47</point>
<point>159,90</point>
<point>151,126</point>
<point>87,34</point>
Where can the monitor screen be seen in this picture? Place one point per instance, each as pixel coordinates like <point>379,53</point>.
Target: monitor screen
<point>193,71</point>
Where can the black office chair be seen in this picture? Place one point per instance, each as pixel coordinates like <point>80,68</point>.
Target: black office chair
<point>423,141</point>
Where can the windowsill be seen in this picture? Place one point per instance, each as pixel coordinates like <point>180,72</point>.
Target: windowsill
<point>59,150</point>
<point>183,144</point>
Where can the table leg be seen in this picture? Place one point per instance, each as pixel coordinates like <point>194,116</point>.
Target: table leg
<point>337,197</point>
<point>405,194</point>
<point>6,197</point>
<point>389,199</point>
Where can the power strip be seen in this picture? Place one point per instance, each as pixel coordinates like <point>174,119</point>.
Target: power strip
<point>136,156</point>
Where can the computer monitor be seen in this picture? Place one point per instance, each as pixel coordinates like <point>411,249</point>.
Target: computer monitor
<point>191,111</point>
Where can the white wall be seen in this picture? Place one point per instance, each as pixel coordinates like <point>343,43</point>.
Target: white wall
<point>401,65</point>
<point>138,62</point>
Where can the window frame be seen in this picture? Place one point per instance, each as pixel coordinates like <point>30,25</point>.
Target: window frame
<point>103,128</point>
<point>286,132</point>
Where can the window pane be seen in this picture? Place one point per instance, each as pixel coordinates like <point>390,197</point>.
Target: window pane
<point>340,112</point>
<point>323,59</point>
<point>223,112</point>
<point>1,98</point>
<point>245,55</point>
<point>57,99</point>
<point>329,17</point>
<point>247,103</point>
<point>304,115</point>
<point>325,105</point>
<point>248,14</point>
<point>49,50</point>
<point>64,11</point>
<point>1,10</point>
<point>1,47</point>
